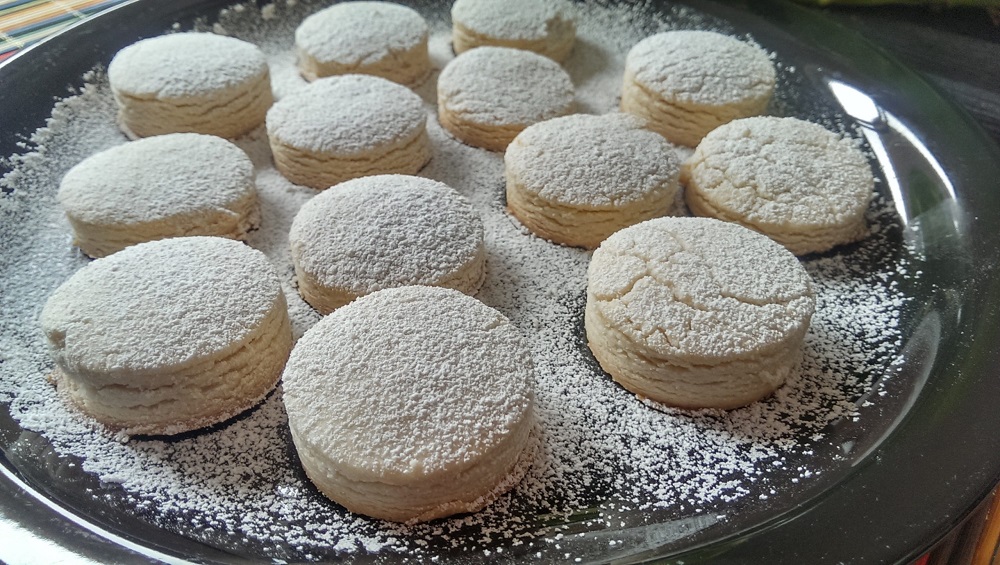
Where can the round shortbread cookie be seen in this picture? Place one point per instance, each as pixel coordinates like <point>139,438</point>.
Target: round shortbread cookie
<point>577,179</point>
<point>697,313</point>
<point>385,231</point>
<point>412,404</point>
<point>794,181</point>
<point>345,127</point>
<point>488,95</point>
<point>190,82</point>
<point>164,186</point>
<point>544,26</point>
<point>169,336</point>
<point>687,83</point>
<point>369,38</point>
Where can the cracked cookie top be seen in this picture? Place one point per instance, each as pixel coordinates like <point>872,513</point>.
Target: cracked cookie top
<point>699,290</point>
<point>797,182</point>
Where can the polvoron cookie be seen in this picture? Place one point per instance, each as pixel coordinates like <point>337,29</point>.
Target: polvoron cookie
<point>370,38</point>
<point>190,82</point>
<point>794,181</point>
<point>577,179</point>
<point>687,83</point>
<point>169,336</point>
<point>345,127</point>
<point>545,27</point>
<point>385,231</point>
<point>696,312</point>
<point>412,404</point>
<point>178,184</point>
<point>488,95</point>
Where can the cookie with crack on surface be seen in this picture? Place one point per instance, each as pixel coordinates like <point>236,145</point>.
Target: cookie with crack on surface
<point>344,127</point>
<point>577,179</point>
<point>190,82</point>
<point>687,83</point>
<point>696,312</point>
<point>371,38</point>
<point>412,404</point>
<point>545,27</point>
<point>488,95</point>
<point>179,184</point>
<point>794,181</point>
<point>169,336</point>
<point>385,231</point>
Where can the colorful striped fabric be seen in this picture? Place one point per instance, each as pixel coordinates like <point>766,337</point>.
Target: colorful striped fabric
<point>23,22</point>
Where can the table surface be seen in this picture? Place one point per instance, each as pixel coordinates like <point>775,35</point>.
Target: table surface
<point>955,49</point>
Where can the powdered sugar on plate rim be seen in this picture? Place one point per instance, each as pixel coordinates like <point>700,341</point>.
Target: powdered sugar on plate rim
<point>611,473</point>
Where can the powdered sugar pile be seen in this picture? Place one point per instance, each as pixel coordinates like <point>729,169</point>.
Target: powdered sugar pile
<point>612,477</point>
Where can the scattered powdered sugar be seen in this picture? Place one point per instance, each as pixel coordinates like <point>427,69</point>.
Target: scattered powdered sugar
<point>185,65</point>
<point>504,86</point>
<point>612,477</point>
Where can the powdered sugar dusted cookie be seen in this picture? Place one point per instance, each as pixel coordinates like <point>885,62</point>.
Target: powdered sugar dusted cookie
<point>794,181</point>
<point>577,179</point>
<point>687,83</point>
<point>370,38</point>
<point>190,82</point>
<point>346,127</point>
<point>164,186</point>
<point>544,26</point>
<point>697,313</point>
<point>170,335</point>
<point>385,231</point>
<point>490,94</point>
<point>411,404</point>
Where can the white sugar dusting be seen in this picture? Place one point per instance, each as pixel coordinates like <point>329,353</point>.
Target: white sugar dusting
<point>613,476</point>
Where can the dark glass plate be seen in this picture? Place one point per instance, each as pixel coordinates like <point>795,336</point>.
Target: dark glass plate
<point>930,452</point>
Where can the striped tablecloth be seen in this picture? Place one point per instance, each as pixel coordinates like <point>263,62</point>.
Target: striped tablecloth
<point>23,22</point>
